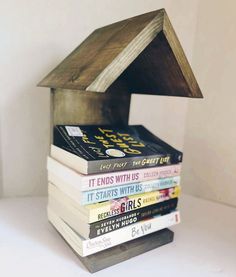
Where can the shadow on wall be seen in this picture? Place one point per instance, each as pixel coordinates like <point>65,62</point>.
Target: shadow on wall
<point>26,134</point>
<point>25,143</point>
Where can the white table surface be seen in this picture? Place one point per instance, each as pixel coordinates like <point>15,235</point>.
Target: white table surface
<point>204,245</point>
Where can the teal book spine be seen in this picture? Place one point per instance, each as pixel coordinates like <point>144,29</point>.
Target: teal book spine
<point>100,195</point>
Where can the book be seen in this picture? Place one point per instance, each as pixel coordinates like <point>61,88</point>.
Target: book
<point>100,195</point>
<point>84,182</point>
<point>96,149</point>
<point>70,216</point>
<point>86,247</point>
<point>100,211</point>
<point>127,250</point>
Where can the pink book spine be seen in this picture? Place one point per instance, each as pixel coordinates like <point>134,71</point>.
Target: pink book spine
<point>131,176</point>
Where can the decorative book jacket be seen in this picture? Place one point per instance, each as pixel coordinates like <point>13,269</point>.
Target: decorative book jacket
<point>96,149</point>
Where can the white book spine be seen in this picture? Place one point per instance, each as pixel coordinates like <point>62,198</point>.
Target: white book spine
<point>98,181</point>
<point>128,233</point>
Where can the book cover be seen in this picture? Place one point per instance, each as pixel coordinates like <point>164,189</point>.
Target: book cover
<point>100,211</point>
<point>83,182</point>
<point>100,195</point>
<point>109,225</point>
<point>72,216</point>
<point>112,148</point>
<point>86,247</point>
<point>103,210</point>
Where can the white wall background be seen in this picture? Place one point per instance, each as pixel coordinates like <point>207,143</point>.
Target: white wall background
<point>210,141</point>
<point>35,37</point>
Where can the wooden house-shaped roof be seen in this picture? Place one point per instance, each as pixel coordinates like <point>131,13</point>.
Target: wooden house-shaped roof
<point>143,52</point>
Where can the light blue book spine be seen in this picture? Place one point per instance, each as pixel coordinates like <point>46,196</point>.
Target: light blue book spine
<point>99,195</point>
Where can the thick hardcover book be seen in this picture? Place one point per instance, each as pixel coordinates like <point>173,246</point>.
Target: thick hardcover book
<point>100,211</point>
<point>96,149</point>
<point>72,218</point>
<point>81,182</point>
<point>87,247</point>
<point>101,195</point>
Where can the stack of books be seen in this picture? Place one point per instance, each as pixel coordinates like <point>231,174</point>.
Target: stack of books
<point>111,184</point>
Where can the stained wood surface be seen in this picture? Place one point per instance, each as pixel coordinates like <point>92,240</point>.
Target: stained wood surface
<point>81,107</point>
<point>143,51</point>
<point>126,250</point>
<point>89,67</point>
<point>163,75</point>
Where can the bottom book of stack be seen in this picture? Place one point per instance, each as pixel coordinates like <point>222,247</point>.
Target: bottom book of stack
<point>85,247</point>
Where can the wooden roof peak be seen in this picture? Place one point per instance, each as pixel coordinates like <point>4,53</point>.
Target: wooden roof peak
<point>142,51</point>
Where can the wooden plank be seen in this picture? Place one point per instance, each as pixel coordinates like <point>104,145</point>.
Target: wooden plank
<point>181,59</point>
<point>128,54</point>
<point>83,68</point>
<point>162,75</point>
<point>81,107</point>
<point>125,251</point>
<point>143,51</point>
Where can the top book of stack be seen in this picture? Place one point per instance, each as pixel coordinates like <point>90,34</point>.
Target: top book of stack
<point>91,149</point>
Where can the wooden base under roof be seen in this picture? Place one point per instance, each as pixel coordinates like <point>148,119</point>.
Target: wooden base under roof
<point>125,251</point>
<point>83,107</point>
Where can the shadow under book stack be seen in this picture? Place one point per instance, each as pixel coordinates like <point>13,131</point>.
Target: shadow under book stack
<point>114,187</point>
<point>111,184</point>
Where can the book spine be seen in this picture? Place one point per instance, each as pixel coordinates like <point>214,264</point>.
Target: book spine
<point>120,164</point>
<point>109,225</point>
<point>99,195</point>
<point>97,181</point>
<point>128,233</point>
<point>101,211</point>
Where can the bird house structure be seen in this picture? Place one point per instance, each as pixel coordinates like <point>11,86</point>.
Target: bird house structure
<point>93,85</point>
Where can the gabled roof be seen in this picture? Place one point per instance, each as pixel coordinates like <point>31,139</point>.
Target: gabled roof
<point>143,51</point>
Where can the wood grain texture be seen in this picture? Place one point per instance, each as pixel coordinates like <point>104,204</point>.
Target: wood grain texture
<point>87,62</point>
<point>162,75</point>
<point>81,107</point>
<point>143,51</point>
<point>125,251</point>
